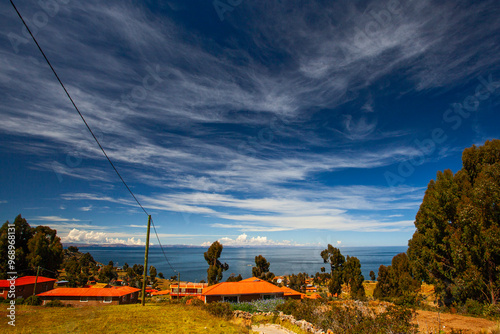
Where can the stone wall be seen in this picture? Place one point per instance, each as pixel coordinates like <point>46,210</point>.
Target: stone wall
<point>306,326</point>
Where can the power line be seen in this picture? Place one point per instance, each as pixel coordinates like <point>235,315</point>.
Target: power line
<point>90,130</point>
<point>165,255</point>
<point>76,108</point>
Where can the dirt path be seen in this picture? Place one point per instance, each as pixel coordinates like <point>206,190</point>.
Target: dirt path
<point>428,322</point>
<point>270,329</point>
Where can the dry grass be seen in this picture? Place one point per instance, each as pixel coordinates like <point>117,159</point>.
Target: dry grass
<point>429,322</point>
<point>166,318</point>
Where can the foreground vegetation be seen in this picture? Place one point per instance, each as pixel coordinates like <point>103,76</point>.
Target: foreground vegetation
<point>152,318</point>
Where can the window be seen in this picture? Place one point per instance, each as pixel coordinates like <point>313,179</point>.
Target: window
<point>107,299</point>
<point>84,299</point>
<point>268,296</point>
<point>230,299</point>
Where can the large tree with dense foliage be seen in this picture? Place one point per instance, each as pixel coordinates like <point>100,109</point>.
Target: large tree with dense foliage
<point>354,278</point>
<point>261,269</point>
<point>342,271</point>
<point>397,282</point>
<point>456,245</point>
<point>39,246</point>
<point>334,257</point>
<point>215,269</point>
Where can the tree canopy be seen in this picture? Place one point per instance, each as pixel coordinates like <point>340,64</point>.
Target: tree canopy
<point>38,246</point>
<point>261,269</point>
<point>215,269</point>
<point>456,245</point>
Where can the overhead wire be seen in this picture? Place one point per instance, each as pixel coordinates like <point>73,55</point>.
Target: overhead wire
<point>88,127</point>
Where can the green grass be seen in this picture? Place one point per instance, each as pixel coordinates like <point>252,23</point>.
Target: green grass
<point>152,318</point>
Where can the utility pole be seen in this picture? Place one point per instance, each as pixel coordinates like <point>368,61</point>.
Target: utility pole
<point>178,284</point>
<point>36,280</point>
<point>146,263</point>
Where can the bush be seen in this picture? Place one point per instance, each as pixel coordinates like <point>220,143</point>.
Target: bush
<point>355,318</point>
<point>195,302</point>
<point>33,300</point>
<point>219,309</point>
<point>261,305</point>
<point>244,306</point>
<point>474,307</point>
<point>55,303</point>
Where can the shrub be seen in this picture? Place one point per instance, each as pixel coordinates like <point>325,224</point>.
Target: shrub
<point>33,300</point>
<point>355,318</point>
<point>302,310</point>
<point>219,309</point>
<point>55,303</point>
<point>244,306</point>
<point>195,302</point>
<point>474,307</point>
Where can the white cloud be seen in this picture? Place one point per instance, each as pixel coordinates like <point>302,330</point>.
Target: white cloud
<point>3,202</point>
<point>244,240</point>
<point>101,238</point>
<point>55,219</point>
<point>86,208</point>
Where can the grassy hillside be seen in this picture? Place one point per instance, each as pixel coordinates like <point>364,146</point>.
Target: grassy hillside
<point>152,318</point>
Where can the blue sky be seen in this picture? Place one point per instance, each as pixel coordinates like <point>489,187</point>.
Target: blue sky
<point>249,122</point>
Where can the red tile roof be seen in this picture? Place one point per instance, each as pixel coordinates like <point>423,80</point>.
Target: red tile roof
<point>88,292</point>
<point>160,293</point>
<point>251,285</point>
<point>189,285</point>
<point>25,280</point>
<point>290,292</point>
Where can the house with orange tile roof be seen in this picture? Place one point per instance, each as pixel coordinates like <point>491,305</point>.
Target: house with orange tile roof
<point>291,294</point>
<point>23,286</point>
<point>312,296</point>
<point>187,289</point>
<point>161,293</point>
<point>243,291</point>
<point>311,289</point>
<point>92,296</point>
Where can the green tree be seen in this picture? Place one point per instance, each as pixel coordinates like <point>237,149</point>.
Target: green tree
<point>383,288</point>
<point>456,245</point>
<point>108,273</point>
<point>296,282</point>
<point>372,275</point>
<point>152,273</point>
<point>354,278</point>
<point>23,233</point>
<point>261,269</point>
<point>73,249</point>
<point>45,249</point>
<point>234,278</point>
<point>396,282</point>
<point>334,257</point>
<point>215,269</point>
<point>160,275</point>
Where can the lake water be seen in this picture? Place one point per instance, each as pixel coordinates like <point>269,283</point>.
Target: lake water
<point>189,261</point>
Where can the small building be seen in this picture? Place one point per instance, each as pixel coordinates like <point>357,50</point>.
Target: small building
<point>24,286</point>
<point>312,296</point>
<point>291,294</point>
<point>161,293</point>
<point>187,289</point>
<point>92,296</point>
<point>311,289</point>
<point>62,284</point>
<point>243,291</point>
